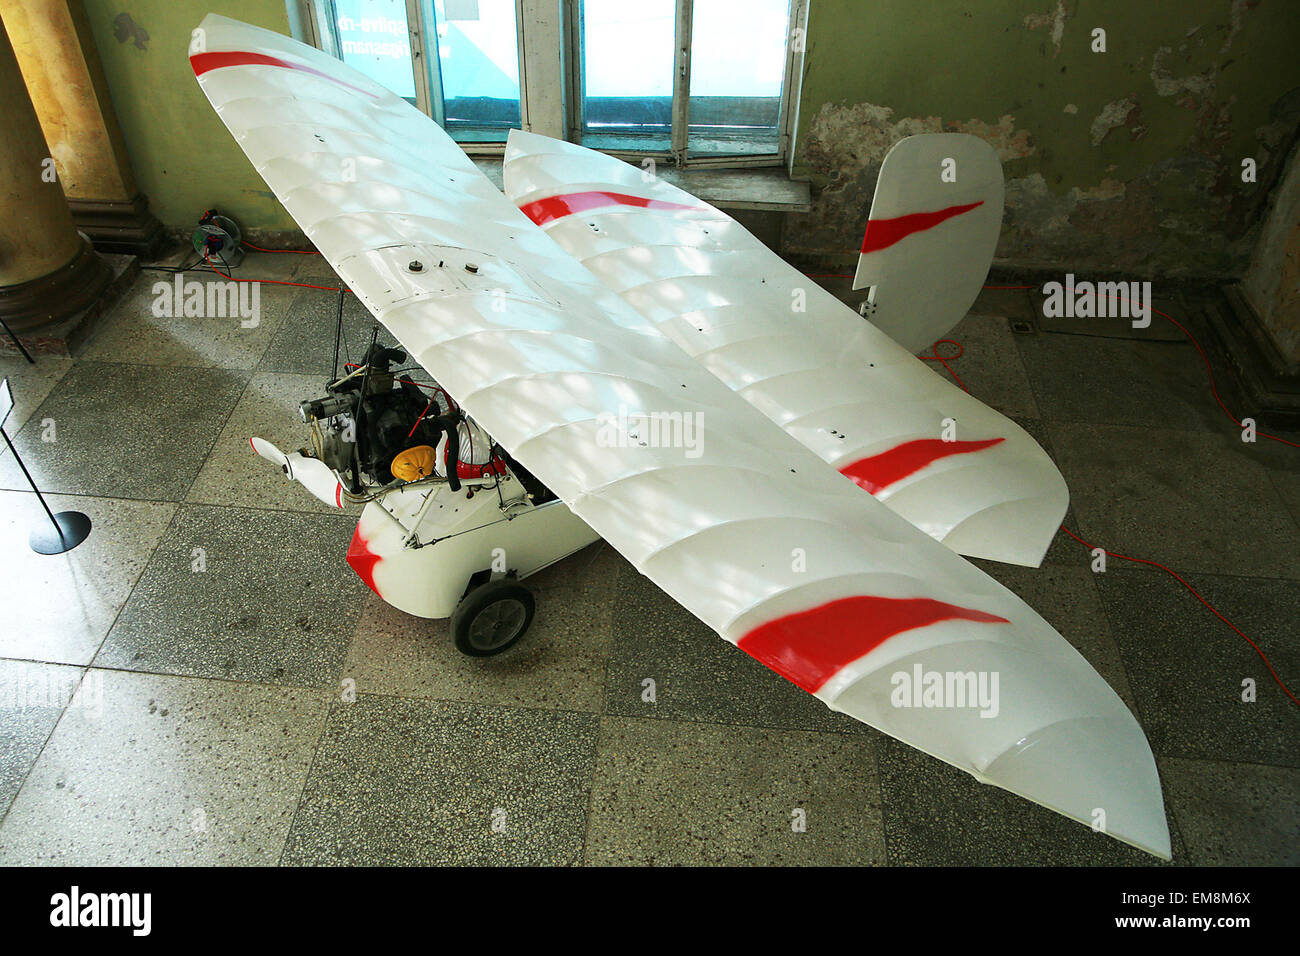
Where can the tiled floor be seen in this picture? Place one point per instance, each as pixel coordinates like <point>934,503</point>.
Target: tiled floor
<point>205,681</point>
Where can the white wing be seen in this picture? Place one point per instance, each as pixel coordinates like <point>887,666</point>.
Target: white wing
<point>860,401</point>
<point>543,356</point>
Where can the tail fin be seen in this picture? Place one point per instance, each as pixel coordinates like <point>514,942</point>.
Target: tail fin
<point>931,235</point>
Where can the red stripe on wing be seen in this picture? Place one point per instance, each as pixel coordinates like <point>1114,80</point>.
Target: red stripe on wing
<point>880,471</point>
<point>882,233</point>
<point>542,211</point>
<point>203,62</point>
<point>810,647</point>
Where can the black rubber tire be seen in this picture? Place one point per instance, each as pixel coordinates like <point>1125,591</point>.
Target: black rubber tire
<point>503,597</point>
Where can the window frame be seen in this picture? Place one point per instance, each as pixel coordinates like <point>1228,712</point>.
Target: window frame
<point>549,34</point>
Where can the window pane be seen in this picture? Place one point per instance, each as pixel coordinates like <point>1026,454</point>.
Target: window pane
<point>373,38</point>
<point>738,53</point>
<point>627,73</point>
<point>478,67</point>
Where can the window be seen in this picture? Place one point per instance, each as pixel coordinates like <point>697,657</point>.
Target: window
<point>698,81</point>
<point>737,71</point>
<point>474,75</point>
<point>458,60</point>
<point>628,56</point>
<point>372,36</point>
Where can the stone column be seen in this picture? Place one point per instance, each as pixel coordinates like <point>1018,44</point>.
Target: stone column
<point>60,63</point>
<point>47,271</point>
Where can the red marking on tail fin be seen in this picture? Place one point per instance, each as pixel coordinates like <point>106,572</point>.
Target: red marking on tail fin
<point>542,211</point>
<point>882,233</point>
<point>878,472</point>
<point>203,62</point>
<point>810,647</point>
<point>363,560</point>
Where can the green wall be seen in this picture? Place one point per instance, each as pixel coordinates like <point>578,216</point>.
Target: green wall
<point>184,157</point>
<point>1127,160</point>
<point>1124,160</point>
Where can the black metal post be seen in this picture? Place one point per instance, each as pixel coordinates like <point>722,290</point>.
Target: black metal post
<point>72,527</point>
<point>17,341</point>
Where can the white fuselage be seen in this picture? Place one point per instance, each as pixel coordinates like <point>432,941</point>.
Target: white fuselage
<point>418,546</point>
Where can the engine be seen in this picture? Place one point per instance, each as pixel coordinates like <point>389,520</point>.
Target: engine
<point>370,416</point>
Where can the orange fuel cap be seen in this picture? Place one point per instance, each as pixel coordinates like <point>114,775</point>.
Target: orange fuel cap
<point>414,463</point>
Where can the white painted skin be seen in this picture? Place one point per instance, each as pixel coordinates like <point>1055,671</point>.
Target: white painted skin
<point>926,282</point>
<point>836,383</point>
<point>715,531</point>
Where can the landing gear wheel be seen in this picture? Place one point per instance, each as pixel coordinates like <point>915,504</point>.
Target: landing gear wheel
<point>491,618</point>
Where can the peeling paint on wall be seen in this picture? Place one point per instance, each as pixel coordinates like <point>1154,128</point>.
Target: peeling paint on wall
<point>1009,142</point>
<point>124,28</point>
<point>1112,116</point>
<point>1126,160</point>
<point>1166,84</point>
<point>1053,21</point>
<point>850,143</point>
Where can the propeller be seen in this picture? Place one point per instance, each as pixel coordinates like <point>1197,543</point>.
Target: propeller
<point>312,473</point>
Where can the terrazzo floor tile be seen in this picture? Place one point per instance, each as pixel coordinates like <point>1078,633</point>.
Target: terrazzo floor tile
<point>695,674</point>
<point>242,595</point>
<point>59,607</point>
<point>1186,667</point>
<point>1185,499</point>
<point>402,782</point>
<point>304,342</point>
<point>30,385</point>
<point>231,332</point>
<point>282,265</point>
<point>1067,599</point>
<point>1280,460</point>
<point>596,567</point>
<point>559,663</point>
<point>990,365</point>
<point>1118,326</point>
<point>1236,814</point>
<point>170,771</point>
<point>1009,303</point>
<point>673,793</point>
<point>937,815</point>
<point>234,475</point>
<point>316,270</point>
<point>32,696</point>
<point>125,431</point>
<point>1288,488</point>
<point>1082,378</point>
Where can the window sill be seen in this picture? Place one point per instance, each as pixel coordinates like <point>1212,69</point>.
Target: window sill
<point>767,188</point>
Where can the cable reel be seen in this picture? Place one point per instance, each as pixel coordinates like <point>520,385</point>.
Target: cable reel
<point>217,238</point>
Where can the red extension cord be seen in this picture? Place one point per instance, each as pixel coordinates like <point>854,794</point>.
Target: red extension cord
<point>943,360</point>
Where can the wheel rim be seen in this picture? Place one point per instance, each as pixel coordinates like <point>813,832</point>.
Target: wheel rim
<point>497,624</point>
